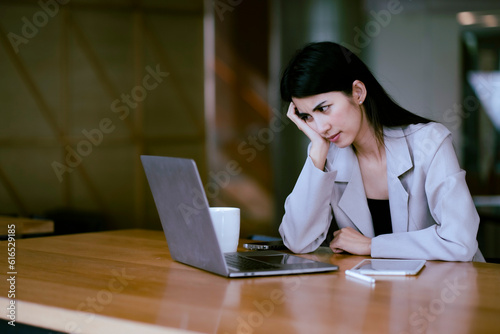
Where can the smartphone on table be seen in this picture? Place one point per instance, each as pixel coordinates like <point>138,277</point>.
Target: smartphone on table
<point>265,245</point>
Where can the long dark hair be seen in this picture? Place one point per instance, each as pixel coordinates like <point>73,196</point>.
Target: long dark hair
<point>326,67</point>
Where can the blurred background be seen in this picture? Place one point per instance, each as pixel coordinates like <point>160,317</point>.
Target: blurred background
<point>87,86</point>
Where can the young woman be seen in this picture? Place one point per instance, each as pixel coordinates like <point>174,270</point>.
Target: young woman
<point>378,180</point>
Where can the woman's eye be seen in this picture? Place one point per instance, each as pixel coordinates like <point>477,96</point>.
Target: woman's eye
<point>323,108</point>
<point>303,116</point>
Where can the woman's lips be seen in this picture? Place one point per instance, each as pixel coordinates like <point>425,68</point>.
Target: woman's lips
<point>334,138</point>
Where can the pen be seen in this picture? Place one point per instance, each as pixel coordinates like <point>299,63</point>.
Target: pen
<point>360,276</point>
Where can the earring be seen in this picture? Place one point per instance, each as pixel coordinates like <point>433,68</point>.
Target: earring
<point>360,102</point>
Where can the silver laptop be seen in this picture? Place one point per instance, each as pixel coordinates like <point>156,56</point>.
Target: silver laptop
<point>183,209</point>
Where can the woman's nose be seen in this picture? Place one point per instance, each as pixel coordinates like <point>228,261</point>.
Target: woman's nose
<point>322,125</point>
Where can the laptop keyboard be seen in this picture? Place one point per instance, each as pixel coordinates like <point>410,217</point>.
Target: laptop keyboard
<point>243,263</point>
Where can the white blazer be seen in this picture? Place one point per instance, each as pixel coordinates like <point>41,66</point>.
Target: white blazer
<point>432,212</point>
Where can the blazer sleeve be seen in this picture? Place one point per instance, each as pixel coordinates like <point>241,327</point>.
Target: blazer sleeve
<point>453,236</point>
<point>308,212</point>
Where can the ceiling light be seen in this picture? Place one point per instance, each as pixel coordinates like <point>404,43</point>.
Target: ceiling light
<point>466,18</point>
<point>490,20</point>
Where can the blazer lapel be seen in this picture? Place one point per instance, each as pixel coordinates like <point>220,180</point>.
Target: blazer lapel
<point>353,200</point>
<point>398,163</point>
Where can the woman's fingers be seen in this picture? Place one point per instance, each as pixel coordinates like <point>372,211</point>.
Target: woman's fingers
<point>349,240</point>
<point>302,125</point>
<point>319,145</point>
<point>293,116</point>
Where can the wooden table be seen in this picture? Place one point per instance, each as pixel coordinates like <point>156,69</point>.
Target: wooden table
<point>26,226</point>
<point>126,282</point>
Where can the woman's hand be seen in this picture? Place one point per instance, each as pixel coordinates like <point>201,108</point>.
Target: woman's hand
<point>319,144</point>
<point>349,240</point>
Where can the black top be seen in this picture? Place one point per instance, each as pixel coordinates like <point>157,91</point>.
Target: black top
<point>381,216</point>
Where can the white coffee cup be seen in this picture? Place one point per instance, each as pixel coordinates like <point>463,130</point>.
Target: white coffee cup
<point>227,227</point>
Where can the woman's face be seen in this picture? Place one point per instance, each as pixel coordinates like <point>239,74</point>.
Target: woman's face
<point>335,116</point>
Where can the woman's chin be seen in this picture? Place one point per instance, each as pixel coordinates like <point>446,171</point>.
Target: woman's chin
<point>341,144</point>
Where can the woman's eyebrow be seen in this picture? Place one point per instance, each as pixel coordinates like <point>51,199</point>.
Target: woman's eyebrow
<point>300,114</point>
<point>319,105</point>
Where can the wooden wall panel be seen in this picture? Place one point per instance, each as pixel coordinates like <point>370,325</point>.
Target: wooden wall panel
<point>72,76</point>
